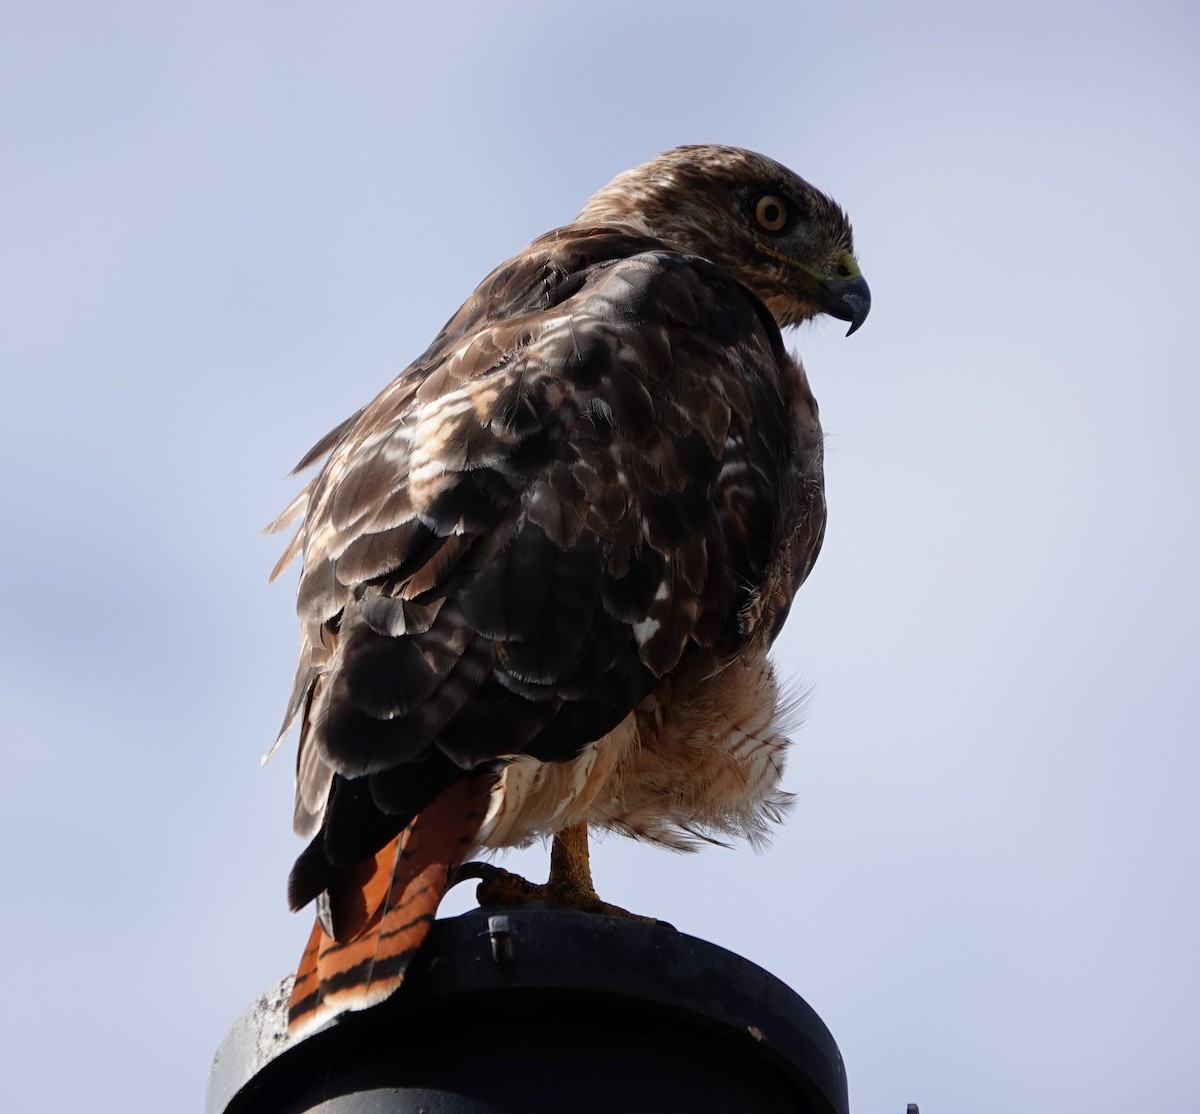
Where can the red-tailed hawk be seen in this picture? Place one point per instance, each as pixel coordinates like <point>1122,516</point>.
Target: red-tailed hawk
<point>543,568</point>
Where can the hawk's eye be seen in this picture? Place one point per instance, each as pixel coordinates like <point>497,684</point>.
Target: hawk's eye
<point>771,212</point>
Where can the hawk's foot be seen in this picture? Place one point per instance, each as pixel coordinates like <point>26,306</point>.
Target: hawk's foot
<point>498,886</point>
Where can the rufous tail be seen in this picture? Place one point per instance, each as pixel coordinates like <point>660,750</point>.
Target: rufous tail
<point>399,893</point>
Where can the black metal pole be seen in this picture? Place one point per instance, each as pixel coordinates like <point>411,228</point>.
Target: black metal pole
<point>538,1010</point>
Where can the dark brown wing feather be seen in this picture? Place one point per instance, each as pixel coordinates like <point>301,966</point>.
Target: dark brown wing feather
<point>582,480</point>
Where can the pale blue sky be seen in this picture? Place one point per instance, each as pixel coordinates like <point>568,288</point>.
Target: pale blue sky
<point>226,225</point>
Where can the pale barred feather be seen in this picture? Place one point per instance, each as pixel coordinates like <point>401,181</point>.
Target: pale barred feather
<point>534,799</point>
<point>703,765</point>
<point>313,780</point>
<point>712,770</point>
<point>296,509</point>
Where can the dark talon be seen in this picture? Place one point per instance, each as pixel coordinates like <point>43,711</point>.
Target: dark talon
<point>485,872</point>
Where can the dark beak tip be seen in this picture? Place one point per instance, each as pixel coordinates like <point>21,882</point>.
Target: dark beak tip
<point>847,300</point>
<point>860,306</point>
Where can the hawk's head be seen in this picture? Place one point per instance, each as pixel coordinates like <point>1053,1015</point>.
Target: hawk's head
<point>766,226</point>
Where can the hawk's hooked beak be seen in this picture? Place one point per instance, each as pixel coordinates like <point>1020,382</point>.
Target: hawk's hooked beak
<point>845,294</point>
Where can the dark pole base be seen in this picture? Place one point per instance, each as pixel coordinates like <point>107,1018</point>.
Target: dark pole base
<point>535,1010</point>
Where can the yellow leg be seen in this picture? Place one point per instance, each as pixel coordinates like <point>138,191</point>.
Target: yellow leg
<point>571,867</point>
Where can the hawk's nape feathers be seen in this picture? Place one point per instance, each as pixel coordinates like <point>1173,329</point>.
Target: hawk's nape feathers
<point>543,568</point>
